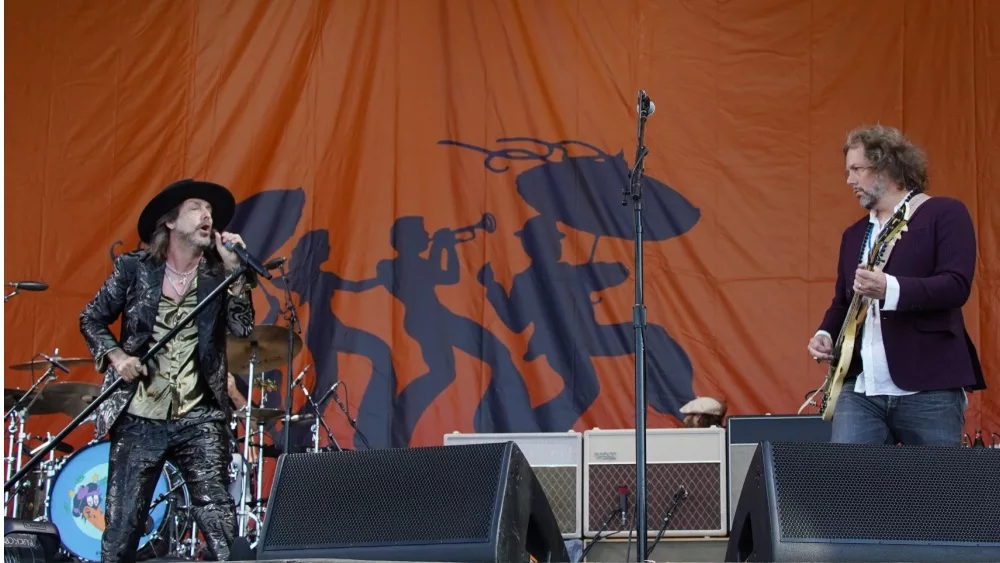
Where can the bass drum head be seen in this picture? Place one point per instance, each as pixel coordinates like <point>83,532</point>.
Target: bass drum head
<point>77,504</point>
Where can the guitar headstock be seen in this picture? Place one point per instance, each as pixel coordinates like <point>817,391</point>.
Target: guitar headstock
<point>893,230</point>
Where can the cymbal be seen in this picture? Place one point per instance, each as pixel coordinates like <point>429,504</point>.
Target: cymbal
<point>43,364</point>
<point>259,413</point>
<point>12,396</point>
<point>271,346</point>
<point>69,397</point>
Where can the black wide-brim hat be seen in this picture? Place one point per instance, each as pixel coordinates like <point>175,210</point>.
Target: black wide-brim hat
<point>221,199</point>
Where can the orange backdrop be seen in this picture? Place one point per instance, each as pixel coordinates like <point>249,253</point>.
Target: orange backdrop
<point>331,120</point>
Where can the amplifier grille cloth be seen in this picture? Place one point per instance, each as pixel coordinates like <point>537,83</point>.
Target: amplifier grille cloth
<point>380,497</point>
<point>701,510</point>
<point>560,486</point>
<point>908,494</point>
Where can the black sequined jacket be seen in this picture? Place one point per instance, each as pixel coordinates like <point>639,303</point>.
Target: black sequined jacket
<point>133,292</point>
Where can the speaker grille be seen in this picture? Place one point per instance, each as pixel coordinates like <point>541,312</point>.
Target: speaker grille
<point>415,496</point>
<point>701,510</point>
<point>880,493</point>
<point>560,486</point>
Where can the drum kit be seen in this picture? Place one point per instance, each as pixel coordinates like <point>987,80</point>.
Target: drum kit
<point>68,490</point>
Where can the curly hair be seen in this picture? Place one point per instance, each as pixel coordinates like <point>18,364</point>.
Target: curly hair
<point>892,154</point>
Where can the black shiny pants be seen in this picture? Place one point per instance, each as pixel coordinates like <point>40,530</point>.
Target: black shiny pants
<point>199,445</point>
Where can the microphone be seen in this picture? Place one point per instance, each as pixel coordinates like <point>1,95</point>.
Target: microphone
<point>644,99</point>
<point>332,389</point>
<point>272,264</point>
<point>301,375</point>
<point>623,502</point>
<point>29,285</point>
<point>247,259</point>
<point>54,362</point>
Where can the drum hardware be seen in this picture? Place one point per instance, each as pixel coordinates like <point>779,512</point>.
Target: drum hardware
<point>19,413</point>
<point>319,415</point>
<point>262,351</point>
<point>119,382</point>
<point>247,413</point>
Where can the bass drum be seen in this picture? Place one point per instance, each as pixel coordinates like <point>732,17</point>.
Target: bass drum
<point>76,505</point>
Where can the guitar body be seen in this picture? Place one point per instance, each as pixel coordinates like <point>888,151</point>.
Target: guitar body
<point>843,349</point>
<point>841,362</point>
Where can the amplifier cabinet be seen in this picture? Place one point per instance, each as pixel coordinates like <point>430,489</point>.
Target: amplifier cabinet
<point>692,458</point>
<point>557,460</point>
<point>746,432</point>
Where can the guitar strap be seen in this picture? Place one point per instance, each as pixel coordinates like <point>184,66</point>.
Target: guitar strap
<point>911,209</point>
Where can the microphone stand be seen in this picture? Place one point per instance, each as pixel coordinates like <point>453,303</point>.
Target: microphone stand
<point>153,350</point>
<point>633,189</point>
<point>292,317</point>
<point>319,415</point>
<point>354,423</point>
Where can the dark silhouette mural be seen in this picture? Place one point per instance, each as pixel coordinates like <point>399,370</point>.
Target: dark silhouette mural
<point>412,279</point>
<point>552,296</point>
<point>584,192</point>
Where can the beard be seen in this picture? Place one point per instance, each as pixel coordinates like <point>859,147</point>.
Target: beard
<point>196,240</point>
<point>872,195</point>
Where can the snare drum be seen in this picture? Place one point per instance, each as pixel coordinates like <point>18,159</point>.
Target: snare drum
<point>76,504</point>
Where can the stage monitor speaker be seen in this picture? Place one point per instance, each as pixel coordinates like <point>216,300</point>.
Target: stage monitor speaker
<point>849,502</point>
<point>478,502</point>
<point>27,541</point>
<point>557,460</point>
<point>744,432</point>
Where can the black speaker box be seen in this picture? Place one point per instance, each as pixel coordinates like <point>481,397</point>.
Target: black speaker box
<point>26,541</point>
<point>847,502</point>
<point>479,502</point>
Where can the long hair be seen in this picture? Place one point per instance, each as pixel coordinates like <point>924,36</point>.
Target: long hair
<point>892,154</point>
<point>159,242</point>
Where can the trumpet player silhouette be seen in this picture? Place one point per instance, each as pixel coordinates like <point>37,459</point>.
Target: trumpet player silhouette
<point>412,279</point>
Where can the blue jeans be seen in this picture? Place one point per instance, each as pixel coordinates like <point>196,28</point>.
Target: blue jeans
<point>929,418</point>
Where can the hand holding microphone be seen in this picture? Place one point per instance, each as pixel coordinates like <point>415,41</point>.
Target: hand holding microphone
<point>230,244</point>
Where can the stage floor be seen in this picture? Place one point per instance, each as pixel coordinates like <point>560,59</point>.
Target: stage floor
<point>667,551</point>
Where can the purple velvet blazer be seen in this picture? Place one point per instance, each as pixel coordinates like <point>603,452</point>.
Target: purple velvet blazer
<point>926,343</point>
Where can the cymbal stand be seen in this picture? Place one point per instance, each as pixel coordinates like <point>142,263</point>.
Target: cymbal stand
<point>256,513</point>
<point>18,416</point>
<point>319,419</point>
<point>50,475</point>
<point>244,504</point>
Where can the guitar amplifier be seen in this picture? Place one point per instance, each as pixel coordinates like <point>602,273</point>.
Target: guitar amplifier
<point>692,459</point>
<point>746,432</point>
<point>557,460</point>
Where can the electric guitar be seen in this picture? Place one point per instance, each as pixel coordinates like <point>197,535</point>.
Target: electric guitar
<point>843,349</point>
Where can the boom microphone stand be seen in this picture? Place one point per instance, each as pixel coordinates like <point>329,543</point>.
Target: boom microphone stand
<point>51,444</point>
<point>292,317</point>
<point>634,189</point>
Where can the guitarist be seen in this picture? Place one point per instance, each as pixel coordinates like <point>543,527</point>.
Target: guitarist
<point>912,360</point>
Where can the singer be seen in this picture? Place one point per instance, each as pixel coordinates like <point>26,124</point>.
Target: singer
<point>176,406</point>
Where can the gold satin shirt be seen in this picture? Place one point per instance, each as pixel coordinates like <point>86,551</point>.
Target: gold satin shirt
<point>175,386</point>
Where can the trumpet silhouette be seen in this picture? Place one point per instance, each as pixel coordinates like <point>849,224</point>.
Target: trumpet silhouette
<point>488,223</point>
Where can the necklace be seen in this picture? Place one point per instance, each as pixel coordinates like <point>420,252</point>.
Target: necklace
<point>183,278</point>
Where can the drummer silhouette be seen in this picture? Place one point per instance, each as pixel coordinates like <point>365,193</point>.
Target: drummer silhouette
<point>584,192</point>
